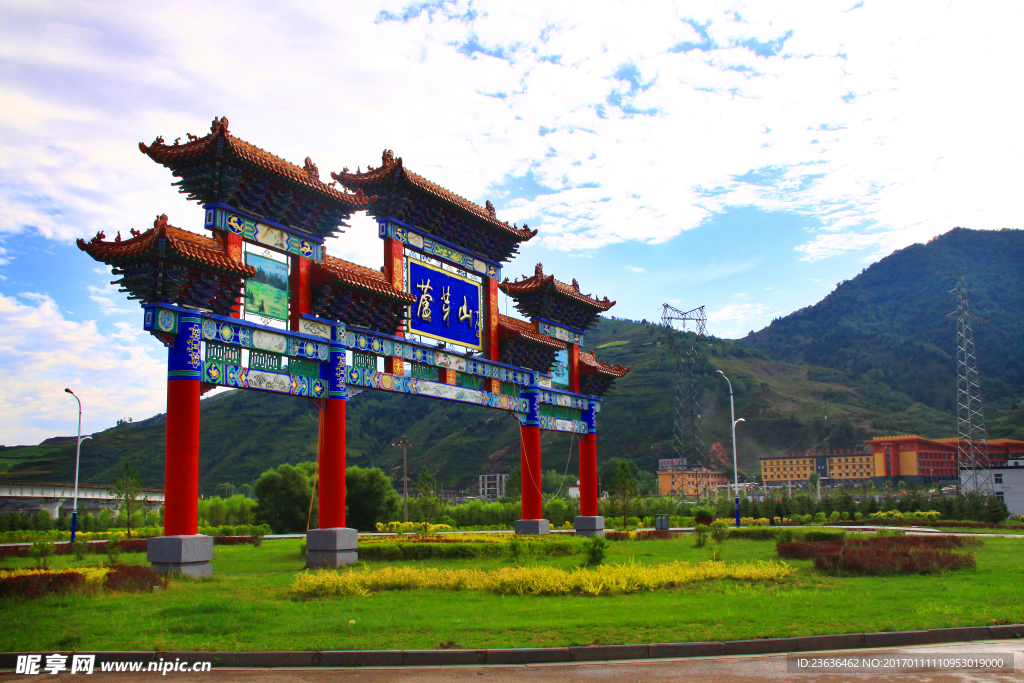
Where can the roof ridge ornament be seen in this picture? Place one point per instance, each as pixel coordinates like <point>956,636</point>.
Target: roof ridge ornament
<point>311,170</point>
<point>490,209</point>
<point>219,126</point>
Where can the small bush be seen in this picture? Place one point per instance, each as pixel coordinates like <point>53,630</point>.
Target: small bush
<point>812,535</point>
<point>113,553</point>
<point>127,578</point>
<point>41,552</point>
<point>700,534</point>
<point>136,545</point>
<point>596,549</point>
<point>256,539</point>
<point>80,549</point>
<point>719,529</point>
<point>31,586</point>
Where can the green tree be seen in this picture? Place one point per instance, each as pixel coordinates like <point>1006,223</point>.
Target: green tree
<point>623,487</point>
<point>282,498</point>
<point>514,483</point>
<point>369,498</point>
<point>426,487</point>
<point>127,490</point>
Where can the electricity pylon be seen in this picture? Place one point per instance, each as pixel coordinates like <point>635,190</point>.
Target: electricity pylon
<point>972,448</point>
<point>688,444</point>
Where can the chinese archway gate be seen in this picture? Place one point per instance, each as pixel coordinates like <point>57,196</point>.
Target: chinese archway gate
<point>259,304</point>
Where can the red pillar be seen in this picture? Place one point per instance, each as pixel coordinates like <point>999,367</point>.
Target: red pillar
<point>181,461</point>
<point>332,466</point>
<point>588,475</point>
<point>298,283</point>
<point>533,507</point>
<point>574,367</point>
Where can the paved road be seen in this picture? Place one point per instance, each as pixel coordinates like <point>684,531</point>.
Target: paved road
<point>705,670</point>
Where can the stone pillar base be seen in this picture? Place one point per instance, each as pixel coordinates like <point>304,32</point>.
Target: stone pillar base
<point>186,555</point>
<point>532,527</point>
<point>331,547</point>
<point>588,526</point>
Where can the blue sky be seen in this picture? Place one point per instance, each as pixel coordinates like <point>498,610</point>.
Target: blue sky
<point>746,157</point>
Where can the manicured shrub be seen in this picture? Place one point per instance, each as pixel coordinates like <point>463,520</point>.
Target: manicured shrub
<point>40,584</point>
<point>755,533</point>
<point>136,545</point>
<point>596,549</point>
<point>812,535</point>
<point>883,555</point>
<point>807,551</point>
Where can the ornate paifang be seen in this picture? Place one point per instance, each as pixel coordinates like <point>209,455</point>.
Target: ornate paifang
<point>220,168</point>
<point>169,265</point>
<point>520,344</point>
<point>362,297</point>
<point>543,297</point>
<point>596,377</point>
<point>411,198</point>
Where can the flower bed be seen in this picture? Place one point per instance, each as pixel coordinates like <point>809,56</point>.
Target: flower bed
<point>604,580</point>
<point>642,535</point>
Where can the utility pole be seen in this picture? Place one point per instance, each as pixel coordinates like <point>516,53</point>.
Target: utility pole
<point>404,445</point>
<point>735,467</point>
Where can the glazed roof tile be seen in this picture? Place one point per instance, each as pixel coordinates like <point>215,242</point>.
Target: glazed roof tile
<point>307,176</point>
<point>361,277</point>
<point>521,328</point>
<point>392,167</point>
<point>540,282</point>
<point>590,364</point>
<point>197,248</point>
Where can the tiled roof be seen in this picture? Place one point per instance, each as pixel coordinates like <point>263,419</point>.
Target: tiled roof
<point>390,165</point>
<point>521,328</point>
<point>193,247</point>
<point>540,282</point>
<point>199,147</point>
<point>589,363</point>
<point>361,277</point>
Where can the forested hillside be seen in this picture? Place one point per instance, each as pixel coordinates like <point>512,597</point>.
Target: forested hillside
<point>889,324</point>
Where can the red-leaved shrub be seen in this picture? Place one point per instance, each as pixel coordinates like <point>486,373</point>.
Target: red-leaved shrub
<point>37,585</point>
<point>133,578</point>
<point>882,556</point>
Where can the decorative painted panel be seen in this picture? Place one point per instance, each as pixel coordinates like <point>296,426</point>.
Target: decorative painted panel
<point>314,328</point>
<point>438,249</point>
<point>559,332</point>
<point>261,232</point>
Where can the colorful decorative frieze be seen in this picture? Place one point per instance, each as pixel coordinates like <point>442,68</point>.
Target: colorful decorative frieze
<point>268,234</point>
<point>229,375</point>
<point>558,332</point>
<point>438,249</point>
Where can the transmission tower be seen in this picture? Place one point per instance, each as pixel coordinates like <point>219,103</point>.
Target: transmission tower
<point>688,445</point>
<point>972,448</point>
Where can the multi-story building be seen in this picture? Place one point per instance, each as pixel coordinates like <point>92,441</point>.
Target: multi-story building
<point>492,486</point>
<point>917,460</point>
<point>1007,483</point>
<point>674,478</point>
<point>910,458</point>
<point>840,467</point>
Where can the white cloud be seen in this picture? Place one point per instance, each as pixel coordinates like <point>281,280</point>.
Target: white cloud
<point>634,269</point>
<point>41,353</point>
<point>889,123</point>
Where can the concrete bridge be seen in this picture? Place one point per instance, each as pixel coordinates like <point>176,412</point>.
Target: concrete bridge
<point>32,496</point>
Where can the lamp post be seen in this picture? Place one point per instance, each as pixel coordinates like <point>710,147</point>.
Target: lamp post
<point>78,452</point>
<point>735,468</point>
<point>404,445</point>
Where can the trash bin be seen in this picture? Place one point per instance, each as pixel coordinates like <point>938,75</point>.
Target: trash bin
<point>661,522</point>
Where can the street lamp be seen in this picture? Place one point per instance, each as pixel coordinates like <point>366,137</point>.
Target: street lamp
<point>78,451</point>
<point>735,468</point>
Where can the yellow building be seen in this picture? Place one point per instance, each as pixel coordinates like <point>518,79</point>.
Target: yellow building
<point>838,467</point>
<point>689,481</point>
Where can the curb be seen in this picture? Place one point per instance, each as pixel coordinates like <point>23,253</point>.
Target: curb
<point>547,655</point>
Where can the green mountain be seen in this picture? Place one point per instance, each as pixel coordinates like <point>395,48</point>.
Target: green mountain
<point>874,357</point>
<point>890,324</point>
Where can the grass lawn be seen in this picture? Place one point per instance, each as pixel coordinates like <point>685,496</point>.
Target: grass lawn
<point>248,605</point>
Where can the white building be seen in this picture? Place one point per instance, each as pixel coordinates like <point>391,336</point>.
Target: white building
<point>492,486</point>
<point>1007,483</point>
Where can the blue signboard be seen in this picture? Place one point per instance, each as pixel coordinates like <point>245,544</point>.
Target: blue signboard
<point>448,307</point>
